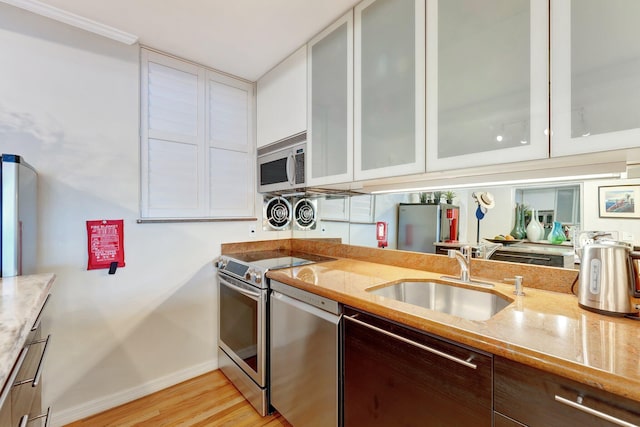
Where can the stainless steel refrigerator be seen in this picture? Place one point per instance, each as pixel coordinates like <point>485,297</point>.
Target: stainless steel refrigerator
<point>18,215</point>
<point>421,225</point>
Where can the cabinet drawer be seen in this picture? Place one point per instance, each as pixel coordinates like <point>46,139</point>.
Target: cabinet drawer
<point>538,398</point>
<point>27,387</point>
<point>395,375</point>
<point>500,420</point>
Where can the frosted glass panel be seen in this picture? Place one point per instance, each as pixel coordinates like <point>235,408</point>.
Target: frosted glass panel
<point>483,75</point>
<point>173,175</point>
<point>329,104</point>
<point>605,66</point>
<point>388,84</point>
<point>173,100</point>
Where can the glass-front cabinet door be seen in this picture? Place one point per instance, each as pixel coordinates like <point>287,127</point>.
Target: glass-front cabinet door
<point>330,104</point>
<point>487,82</point>
<point>389,91</point>
<point>595,75</point>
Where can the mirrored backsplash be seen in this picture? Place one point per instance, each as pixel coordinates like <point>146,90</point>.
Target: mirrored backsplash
<point>354,219</point>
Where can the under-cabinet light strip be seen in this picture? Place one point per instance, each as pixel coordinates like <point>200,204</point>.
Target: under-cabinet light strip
<point>499,183</point>
<point>74,20</point>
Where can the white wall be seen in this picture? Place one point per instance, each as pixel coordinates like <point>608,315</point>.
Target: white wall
<point>69,105</point>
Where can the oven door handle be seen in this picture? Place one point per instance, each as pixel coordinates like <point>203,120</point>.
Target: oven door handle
<point>253,295</point>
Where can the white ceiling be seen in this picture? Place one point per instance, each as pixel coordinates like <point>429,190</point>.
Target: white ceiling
<point>245,38</point>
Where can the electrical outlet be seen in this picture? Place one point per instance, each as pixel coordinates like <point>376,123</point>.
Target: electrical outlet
<point>324,229</point>
<point>252,230</point>
<point>627,237</point>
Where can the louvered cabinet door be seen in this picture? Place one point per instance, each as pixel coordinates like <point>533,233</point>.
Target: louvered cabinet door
<point>231,161</point>
<point>172,137</point>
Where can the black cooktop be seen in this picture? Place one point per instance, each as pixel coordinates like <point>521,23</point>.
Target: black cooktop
<point>272,259</point>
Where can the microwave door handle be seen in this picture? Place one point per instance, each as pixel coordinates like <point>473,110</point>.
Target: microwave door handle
<point>291,172</point>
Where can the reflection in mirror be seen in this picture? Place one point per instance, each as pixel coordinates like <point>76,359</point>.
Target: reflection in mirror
<point>573,203</point>
<point>559,203</point>
<point>353,219</point>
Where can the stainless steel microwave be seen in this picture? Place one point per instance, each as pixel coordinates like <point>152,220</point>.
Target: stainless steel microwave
<point>281,165</point>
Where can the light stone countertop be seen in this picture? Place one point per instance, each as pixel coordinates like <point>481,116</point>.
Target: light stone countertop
<point>21,299</point>
<point>543,329</point>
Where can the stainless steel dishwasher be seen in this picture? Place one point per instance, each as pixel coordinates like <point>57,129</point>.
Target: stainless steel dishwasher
<point>305,356</point>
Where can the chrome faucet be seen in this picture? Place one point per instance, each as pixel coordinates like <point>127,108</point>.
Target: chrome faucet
<point>464,259</point>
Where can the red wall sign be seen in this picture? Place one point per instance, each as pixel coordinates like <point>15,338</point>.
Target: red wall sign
<point>105,240</point>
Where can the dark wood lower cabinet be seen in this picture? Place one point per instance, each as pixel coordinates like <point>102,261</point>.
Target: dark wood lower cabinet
<point>500,420</point>
<point>397,376</point>
<point>538,398</point>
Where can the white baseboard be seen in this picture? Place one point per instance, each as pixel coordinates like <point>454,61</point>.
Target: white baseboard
<point>92,407</point>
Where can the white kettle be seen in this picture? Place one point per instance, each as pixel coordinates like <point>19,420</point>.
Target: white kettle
<point>608,277</point>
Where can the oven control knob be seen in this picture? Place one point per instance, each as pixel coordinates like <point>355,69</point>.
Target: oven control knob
<point>248,275</point>
<point>258,277</point>
<point>221,264</point>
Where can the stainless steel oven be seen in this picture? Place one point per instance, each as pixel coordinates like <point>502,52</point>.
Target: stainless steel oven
<point>243,326</point>
<point>243,320</point>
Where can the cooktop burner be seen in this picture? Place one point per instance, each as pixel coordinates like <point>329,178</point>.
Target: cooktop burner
<point>248,266</point>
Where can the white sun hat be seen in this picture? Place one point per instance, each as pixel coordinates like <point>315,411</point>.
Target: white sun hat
<point>485,199</point>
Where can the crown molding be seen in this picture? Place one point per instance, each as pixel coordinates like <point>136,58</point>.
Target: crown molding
<point>74,20</point>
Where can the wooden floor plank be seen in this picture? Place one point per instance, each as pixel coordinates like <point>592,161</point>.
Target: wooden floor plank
<point>209,400</point>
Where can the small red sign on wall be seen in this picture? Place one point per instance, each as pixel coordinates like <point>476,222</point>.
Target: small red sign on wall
<point>105,240</point>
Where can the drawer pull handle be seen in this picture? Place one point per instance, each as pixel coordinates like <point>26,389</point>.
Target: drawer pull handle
<point>415,344</point>
<point>24,420</point>
<point>579,406</point>
<point>36,378</point>
<point>36,324</point>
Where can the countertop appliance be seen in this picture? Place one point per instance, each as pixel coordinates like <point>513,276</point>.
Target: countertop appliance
<point>421,225</point>
<point>608,277</point>
<point>243,321</point>
<point>18,214</point>
<point>281,165</point>
<point>305,356</point>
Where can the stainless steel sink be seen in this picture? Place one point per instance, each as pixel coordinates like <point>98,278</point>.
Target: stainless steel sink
<point>462,302</point>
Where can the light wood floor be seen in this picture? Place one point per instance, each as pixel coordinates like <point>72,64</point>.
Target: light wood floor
<point>208,400</point>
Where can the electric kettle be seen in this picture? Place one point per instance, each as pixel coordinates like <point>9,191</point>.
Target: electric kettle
<point>608,277</point>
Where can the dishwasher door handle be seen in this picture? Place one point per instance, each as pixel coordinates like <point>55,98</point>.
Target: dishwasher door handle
<point>285,299</point>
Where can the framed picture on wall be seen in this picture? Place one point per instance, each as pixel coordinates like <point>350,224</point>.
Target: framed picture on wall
<point>619,201</point>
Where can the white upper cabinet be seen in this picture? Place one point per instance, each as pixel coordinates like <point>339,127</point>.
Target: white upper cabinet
<point>487,82</point>
<point>595,75</point>
<point>282,100</point>
<point>389,111</point>
<point>330,104</point>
